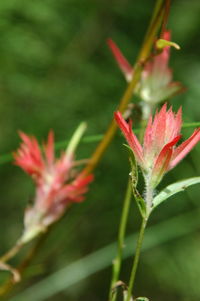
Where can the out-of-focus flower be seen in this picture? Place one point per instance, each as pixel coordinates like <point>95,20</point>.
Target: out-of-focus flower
<point>156,83</point>
<point>158,153</point>
<point>58,184</point>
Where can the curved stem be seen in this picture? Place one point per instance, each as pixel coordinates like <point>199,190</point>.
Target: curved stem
<point>12,252</point>
<point>136,259</point>
<point>122,229</point>
<point>8,285</point>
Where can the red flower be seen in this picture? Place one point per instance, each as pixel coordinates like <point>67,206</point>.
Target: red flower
<point>156,80</point>
<point>57,183</point>
<point>158,153</point>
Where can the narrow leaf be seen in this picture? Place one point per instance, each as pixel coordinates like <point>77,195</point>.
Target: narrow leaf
<point>173,189</point>
<point>134,179</point>
<point>134,170</point>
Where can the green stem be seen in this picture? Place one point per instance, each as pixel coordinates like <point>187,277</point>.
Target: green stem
<point>12,252</point>
<point>121,234</point>
<point>148,200</point>
<point>136,259</point>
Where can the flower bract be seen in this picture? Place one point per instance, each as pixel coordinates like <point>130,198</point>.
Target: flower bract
<point>58,184</point>
<point>159,152</point>
<point>156,82</point>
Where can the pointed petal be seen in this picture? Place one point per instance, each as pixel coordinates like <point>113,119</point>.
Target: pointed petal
<point>159,127</point>
<point>49,148</point>
<point>165,148</point>
<point>182,150</point>
<point>148,137</point>
<point>162,161</point>
<point>75,191</point>
<point>122,62</point>
<point>83,181</point>
<point>173,124</point>
<point>161,167</point>
<point>130,137</point>
<point>29,156</point>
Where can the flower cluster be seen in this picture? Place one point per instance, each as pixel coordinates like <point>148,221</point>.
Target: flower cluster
<point>156,80</point>
<point>57,183</point>
<point>159,153</point>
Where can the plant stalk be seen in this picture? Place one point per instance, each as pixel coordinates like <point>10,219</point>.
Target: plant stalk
<point>136,259</point>
<point>122,230</point>
<point>12,252</point>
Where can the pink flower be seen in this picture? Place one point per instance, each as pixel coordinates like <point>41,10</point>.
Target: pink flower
<point>159,153</point>
<point>57,183</point>
<point>156,80</point>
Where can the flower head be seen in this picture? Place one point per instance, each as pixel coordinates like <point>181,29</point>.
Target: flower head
<point>58,184</point>
<point>156,80</point>
<point>159,153</point>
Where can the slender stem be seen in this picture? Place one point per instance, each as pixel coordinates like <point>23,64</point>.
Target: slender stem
<point>121,234</point>
<point>12,252</point>
<point>136,259</point>
<point>6,288</point>
<point>148,200</point>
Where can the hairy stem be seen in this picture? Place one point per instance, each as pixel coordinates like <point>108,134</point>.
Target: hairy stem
<point>149,195</point>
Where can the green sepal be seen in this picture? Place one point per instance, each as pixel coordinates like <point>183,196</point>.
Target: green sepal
<point>134,180</point>
<point>173,189</point>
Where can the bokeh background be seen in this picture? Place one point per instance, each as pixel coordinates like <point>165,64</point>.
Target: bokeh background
<point>55,71</point>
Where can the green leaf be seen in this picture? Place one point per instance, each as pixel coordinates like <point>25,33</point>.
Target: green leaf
<point>134,179</point>
<point>173,189</point>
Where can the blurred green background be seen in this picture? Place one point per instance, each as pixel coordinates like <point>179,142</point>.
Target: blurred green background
<point>55,71</point>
